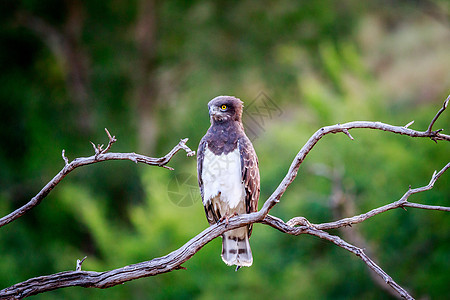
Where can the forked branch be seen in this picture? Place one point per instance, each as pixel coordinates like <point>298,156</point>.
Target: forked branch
<point>100,155</point>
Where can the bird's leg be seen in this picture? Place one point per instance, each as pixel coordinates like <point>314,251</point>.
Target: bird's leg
<point>225,218</point>
<point>221,219</point>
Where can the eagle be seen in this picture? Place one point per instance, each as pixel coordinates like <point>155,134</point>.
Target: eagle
<point>228,176</point>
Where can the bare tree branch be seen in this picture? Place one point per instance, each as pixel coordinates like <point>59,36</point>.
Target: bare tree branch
<point>100,155</point>
<point>79,263</point>
<point>170,262</point>
<point>423,206</point>
<point>175,259</point>
<point>444,106</point>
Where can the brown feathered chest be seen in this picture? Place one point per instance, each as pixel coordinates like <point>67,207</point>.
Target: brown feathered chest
<point>223,138</point>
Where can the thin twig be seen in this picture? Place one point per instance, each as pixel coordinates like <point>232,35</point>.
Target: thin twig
<point>112,140</point>
<point>423,206</point>
<point>95,148</point>
<point>347,133</point>
<point>444,106</point>
<point>66,160</point>
<point>79,263</point>
<point>409,124</point>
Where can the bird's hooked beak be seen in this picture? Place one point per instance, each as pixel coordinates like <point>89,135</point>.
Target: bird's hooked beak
<point>215,115</point>
<point>213,111</point>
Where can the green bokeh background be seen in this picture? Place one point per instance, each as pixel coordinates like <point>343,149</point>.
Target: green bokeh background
<point>146,70</point>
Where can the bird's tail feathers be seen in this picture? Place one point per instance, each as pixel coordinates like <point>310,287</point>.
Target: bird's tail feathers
<point>236,248</point>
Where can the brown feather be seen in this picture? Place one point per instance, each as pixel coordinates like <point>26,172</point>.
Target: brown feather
<point>250,175</point>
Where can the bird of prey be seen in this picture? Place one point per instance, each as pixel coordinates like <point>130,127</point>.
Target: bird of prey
<point>228,176</point>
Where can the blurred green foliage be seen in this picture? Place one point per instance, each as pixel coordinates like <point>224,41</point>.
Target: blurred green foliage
<point>320,62</point>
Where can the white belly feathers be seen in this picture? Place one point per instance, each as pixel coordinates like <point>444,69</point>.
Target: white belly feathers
<point>222,174</point>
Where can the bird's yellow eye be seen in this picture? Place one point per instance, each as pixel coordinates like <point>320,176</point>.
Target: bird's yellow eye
<point>223,107</point>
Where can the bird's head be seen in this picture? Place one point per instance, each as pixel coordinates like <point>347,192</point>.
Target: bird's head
<point>225,108</point>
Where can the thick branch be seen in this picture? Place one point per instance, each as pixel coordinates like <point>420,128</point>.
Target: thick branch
<point>156,266</point>
<point>100,155</point>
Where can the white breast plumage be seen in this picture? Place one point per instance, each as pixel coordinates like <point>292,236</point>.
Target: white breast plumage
<point>222,174</point>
